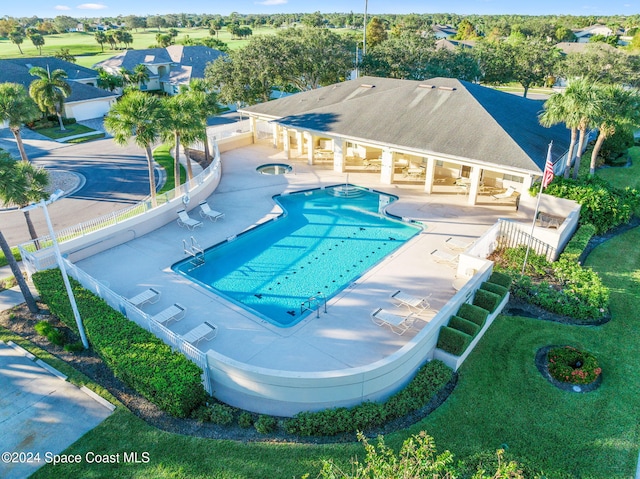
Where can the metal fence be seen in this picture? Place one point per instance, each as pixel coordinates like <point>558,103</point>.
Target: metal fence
<point>142,319</point>
<point>511,235</point>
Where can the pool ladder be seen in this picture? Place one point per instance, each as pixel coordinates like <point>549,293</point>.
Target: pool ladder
<point>314,302</point>
<point>195,251</point>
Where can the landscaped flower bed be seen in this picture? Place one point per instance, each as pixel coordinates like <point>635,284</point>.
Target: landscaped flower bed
<point>571,365</point>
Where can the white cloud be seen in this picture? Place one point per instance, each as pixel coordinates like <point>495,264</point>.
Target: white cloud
<point>61,7</point>
<point>272,2</point>
<point>92,6</point>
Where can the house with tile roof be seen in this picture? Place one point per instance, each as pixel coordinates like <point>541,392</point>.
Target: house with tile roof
<point>86,100</point>
<point>438,132</point>
<point>168,68</point>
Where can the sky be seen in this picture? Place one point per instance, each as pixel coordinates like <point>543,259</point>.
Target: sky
<point>113,8</point>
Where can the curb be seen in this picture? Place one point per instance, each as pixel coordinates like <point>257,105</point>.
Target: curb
<point>99,399</point>
<point>21,350</point>
<point>51,369</point>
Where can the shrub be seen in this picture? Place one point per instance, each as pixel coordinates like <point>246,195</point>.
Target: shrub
<point>140,359</point>
<point>464,325</point>
<point>429,379</point>
<point>473,313</point>
<point>453,341</point>
<point>578,242</point>
<point>500,278</point>
<point>245,420</point>
<point>74,347</point>
<point>43,327</point>
<point>486,300</point>
<point>495,288</point>
<point>266,424</point>
<point>221,414</point>
<point>570,365</point>
<point>603,206</point>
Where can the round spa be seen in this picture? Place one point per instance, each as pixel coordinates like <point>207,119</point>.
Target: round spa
<point>274,169</point>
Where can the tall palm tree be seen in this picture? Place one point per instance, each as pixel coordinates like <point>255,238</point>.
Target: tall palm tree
<point>16,108</point>
<point>140,75</point>
<point>21,183</point>
<point>50,90</point>
<point>575,107</point>
<point>140,116</point>
<point>206,105</point>
<point>181,123</point>
<point>618,110</point>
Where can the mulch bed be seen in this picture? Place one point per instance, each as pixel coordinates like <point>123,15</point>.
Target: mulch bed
<point>541,364</point>
<point>21,321</point>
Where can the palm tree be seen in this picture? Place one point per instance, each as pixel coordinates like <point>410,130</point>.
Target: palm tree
<point>576,108</point>
<point>50,90</point>
<point>101,38</point>
<point>206,105</point>
<point>140,75</point>
<point>22,184</point>
<point>180,125</point>
<point>16,108</point>
<point>618,110</point>
<point>141,116</point>
<point>17,37</point>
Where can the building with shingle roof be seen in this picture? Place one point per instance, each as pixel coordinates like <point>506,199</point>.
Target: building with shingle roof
<point>86,99</point>
<point>433,130</point>
<point>168,68</point>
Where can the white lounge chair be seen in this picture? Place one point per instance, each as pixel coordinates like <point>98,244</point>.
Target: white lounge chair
<point>396,323</point>
<point>148,296</point>
<point>414,303</point>
<point>174,312</point>
<point>204,331</point>
<point>507,194</point>
<point>457,243</point>
<point>185,220</point>
<point>207,212</point>
<point>443,257</point>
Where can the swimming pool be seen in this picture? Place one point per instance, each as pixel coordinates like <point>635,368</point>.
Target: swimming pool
<point>326,239</point>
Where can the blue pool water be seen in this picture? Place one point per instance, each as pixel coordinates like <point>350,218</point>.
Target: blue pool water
<point>325,240</point>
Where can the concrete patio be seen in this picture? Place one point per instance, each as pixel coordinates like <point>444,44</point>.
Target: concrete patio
<point>344,337</point>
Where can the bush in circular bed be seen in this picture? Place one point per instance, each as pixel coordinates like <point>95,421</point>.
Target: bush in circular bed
<point>570,365</point>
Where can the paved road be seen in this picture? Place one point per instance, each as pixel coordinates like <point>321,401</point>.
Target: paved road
<point>116,177</point>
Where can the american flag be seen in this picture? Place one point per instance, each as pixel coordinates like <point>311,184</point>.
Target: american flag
<point>547,176</point>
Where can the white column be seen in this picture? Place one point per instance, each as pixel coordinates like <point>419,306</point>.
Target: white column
<point>524,191</point>
<point>339,147</point>
<point>474,187</point>
<point>276,135</point>
<point>386,169</point>
<point>252,126</point>
<point>430,173</point>
<point>308,139</point>
<point>286,143</point>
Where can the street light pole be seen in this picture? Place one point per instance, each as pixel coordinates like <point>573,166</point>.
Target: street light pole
<point>63,270</point>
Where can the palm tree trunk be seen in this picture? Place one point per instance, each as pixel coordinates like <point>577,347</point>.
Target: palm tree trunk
<point>15,269</point>
<point>18,137</point>
<point>207,153</point>
<point>596,149</point>
<point>152,176</point>
<point>176,162</point>
<point>576,165</point>
<point>32,230</point>
<point>189,169</point>
<point>570,154</point>
<point>60,119</point>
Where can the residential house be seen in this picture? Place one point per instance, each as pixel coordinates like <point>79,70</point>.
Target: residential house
<point>454,45</point>
<point>585,34</point>
<point>439,132</point>
<point>86,100</point>
<point>168,68</point>
<point>444,31</point>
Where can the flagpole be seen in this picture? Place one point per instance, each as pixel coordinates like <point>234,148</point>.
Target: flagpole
<point>535,214</point>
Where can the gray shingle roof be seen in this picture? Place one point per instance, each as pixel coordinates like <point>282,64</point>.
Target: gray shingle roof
<point>17,71</point>
<point>439,115</point>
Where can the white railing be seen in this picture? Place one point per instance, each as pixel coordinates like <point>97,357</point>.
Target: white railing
<point>231,129</point>
<point>117,217</point>
<point>142,319</point>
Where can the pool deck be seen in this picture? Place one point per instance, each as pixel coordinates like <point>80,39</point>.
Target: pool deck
<point>345,336</point>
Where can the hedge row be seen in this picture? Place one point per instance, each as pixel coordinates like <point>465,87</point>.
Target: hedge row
<point>501,279</point>
<point>453,340</point>
<point>428,381</point>
<point>473,313</point>
<point>464,325</point>
<point>487,300</point>
<point>166,378</point>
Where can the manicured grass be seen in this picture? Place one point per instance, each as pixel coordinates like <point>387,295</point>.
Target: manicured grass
<point>621,177</point>
<point>84,139</point>
<point>88,52</point>
<point>16,254</point>
<point>162,155</point>
<point>55,132</point>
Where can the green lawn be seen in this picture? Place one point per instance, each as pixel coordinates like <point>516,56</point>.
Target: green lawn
<point>88,51</point>
<point>162,155</point>
<point>69,130</point>
<point>621,177</point>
